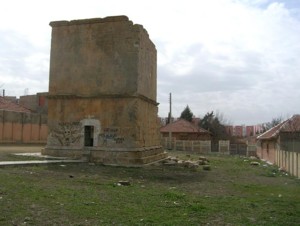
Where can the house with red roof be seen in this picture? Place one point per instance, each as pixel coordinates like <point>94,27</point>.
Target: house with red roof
<point>284,136</point>
<point>7,105</point>
<point>182,129</point>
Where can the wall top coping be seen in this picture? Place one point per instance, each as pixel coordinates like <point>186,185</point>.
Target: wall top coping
<point>102,96</point>
<point>88,21</point>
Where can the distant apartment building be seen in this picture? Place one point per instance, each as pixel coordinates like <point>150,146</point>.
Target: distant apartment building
<point>250,131</point>
<point>229,130</point>
<point>238,131</point>
<point>244,131</point>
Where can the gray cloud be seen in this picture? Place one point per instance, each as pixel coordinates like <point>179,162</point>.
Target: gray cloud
<point>239,57</point>
<point>22,66</point>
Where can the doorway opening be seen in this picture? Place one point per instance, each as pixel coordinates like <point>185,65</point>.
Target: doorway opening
<point>88,136</point>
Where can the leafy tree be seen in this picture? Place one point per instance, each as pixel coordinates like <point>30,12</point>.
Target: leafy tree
<point>187,114</point>
<point>213,124</point>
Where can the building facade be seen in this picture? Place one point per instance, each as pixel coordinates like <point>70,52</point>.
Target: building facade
<point>283,137</point>
<point>102,92</point>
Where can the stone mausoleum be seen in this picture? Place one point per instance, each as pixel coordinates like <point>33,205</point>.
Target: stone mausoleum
<point>102,92</point>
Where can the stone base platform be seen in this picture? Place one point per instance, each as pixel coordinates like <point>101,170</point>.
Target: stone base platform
<point>111,156</point>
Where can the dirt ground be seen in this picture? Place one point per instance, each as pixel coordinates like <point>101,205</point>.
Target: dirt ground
<point>9,149</point>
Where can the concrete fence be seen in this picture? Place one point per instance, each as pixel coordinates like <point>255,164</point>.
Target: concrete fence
<point>193,145</point>
<point>224,146</point>
<point>187,145</point>
<point>23,128</point>
<point>200,146</point>
<point>288,161</point>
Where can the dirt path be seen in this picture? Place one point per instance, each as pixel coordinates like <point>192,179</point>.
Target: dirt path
<point>5,149</point>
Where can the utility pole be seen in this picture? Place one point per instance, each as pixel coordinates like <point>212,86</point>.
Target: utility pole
<point>170,111</point>
<point>169,119</point>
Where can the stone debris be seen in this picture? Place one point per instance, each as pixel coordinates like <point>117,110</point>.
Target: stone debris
<point>253,157</point>
<point>207,167</point>
<point>202,158</point>
<point>123,183</point>
<point>254,163</point>
<point>191,164</point>
<point>26,219</point>
<point>282,169</point>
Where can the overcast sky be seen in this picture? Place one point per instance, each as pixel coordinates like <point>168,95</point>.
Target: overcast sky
<point>240,58</point>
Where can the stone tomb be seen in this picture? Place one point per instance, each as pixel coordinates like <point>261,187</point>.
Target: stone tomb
<point>102,92</point>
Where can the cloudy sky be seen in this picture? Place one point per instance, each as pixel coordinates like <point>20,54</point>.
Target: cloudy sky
<point>240,58</point>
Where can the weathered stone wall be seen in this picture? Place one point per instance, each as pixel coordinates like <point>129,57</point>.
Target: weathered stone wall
<point>103,76</point>
<point>24,128</point>
<point>111,54</point>
<point>124,122</point>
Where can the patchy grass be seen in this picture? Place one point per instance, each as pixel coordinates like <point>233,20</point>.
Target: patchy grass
<point>232,193</point>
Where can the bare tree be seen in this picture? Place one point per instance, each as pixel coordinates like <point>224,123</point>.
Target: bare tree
<point>274,122</point>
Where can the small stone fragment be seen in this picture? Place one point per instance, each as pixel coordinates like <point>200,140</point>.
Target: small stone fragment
<point>124,183</point>
<point>203,158</point>
<point>206,167</point>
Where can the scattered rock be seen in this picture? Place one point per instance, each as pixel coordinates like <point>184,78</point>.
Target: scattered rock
<point>202,162</point>
<point>71,176</point>
<point>202,158</point>
<point>123,183</point>
<point>188,164</point>
<point>207,167</point>
<point>269,163</point>
<point>173,161</point>
<point>170,162</point>
<point>89,203</point>
<point>282,169</point>
<point>26,219</point>
<point>253,163</point>
<point>180,161</point>
<point>156,164</point>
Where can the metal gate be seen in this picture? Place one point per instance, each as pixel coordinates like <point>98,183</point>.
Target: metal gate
<point>238,149</point>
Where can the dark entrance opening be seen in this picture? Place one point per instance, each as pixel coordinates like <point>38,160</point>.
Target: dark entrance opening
<point>88,136</point>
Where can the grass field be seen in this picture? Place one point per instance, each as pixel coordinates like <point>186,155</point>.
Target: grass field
<point>232,193</point>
